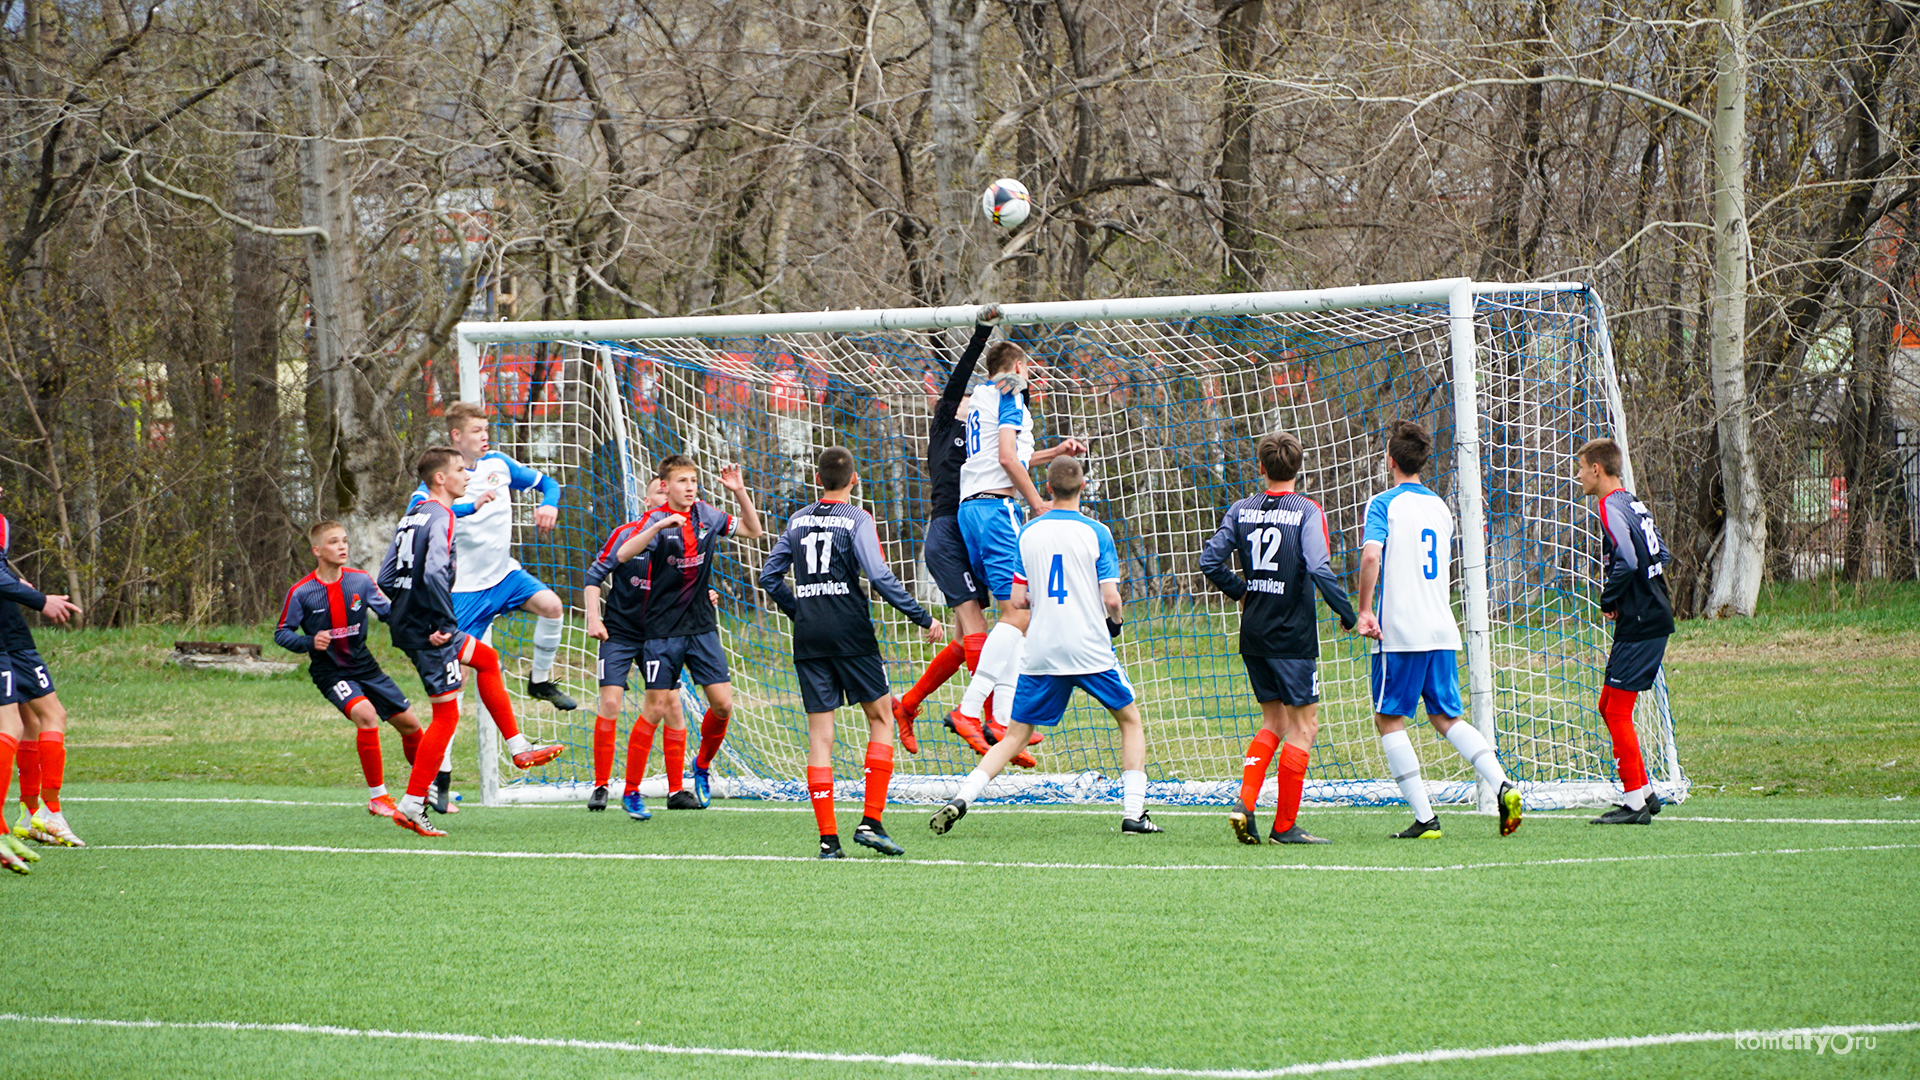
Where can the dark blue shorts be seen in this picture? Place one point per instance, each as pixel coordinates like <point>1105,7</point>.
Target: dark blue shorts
<point>617,657</point>
<point>1632,665</point>
<point>661,660</point>
<point>376,690</point>
<point>948,564</point>
<point>10,688</point>
<point>439,665</point>
<point>30,679</point>
<point>828,682</point>
<point>1289,682</point>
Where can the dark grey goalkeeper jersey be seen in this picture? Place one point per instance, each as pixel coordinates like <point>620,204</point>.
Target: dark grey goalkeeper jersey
<point>827,546</point>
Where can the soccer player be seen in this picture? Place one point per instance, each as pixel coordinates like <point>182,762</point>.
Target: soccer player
<point>1075,618</point>
<point>24,680</point>
<point>1635,599</point>
<point>1406,553</point>
<point>417,576</point>
<point>1282,540</point>
<point>325,614</point>
<point>679,632</point>
<point>995,491</point>
<point>836,656</point>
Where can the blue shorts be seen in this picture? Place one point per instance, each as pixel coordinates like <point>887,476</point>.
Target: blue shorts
<point>31,681</point>
<point>376,690</point>
<point>1041,700</point>
<point>1632,665</point>
<point>1402,679</point>
<point>991,528</point>
<point>475,611</point>
<point>700,654</point>
<point>949,565</point>
<point>439,665</point>
<point>10,688</point>
<point>617,657</point>
<point>1290,682</point>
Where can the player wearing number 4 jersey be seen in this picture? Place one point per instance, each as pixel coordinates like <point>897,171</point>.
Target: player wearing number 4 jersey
<point>1281,539</point>
<point>1408,545</point>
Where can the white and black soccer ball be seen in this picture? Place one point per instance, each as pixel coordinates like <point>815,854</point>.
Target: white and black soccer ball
<point>1006,203</point>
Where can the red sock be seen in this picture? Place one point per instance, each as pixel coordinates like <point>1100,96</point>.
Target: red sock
<point>1616,708</point>
<point>28,758</point>
<point>820,792</point>
<point>433,747</point>
<point>675,747</point>
<point>1254,769</point>
<point>53,767</point>
<point>9,744</point>
<point>410,743</point>
<point>605,733</point>
<point>493,690</point>
<point>970,646</point>
<point>639,749</point>
<point>1293,777</point>
<point>713,732</point>
<point>879,774</point>
<point>939,670</point>
<point>367,741</point>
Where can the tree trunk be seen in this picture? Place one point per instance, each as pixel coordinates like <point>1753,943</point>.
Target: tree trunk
<point>259,511</point>
<point>1239,22</point>
<point>954,82</point>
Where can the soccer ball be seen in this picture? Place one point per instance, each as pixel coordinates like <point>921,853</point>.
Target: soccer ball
<point>1006,203</point>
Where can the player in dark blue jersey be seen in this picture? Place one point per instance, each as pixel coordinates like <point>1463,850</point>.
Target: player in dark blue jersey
<point>32,723</point>
<point>1634,598</point>
<point>836,655</point>
<point>1282,541</point>
<point>326,614</point>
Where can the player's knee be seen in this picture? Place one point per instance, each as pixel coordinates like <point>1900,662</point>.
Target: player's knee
<point>364,717</point>
<point>545,604</point>
<point>404,722</point>
<point>610,700</point>
<point>722,709</point>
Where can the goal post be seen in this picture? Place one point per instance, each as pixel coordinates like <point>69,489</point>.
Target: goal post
<point>1170,393</point>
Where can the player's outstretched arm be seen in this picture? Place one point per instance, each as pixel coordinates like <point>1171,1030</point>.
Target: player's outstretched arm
<point>1216,560</point>
<point>1066,446</point>
<point>731,479</point>
<point>956,388</point>
<point>773,577</point>
<point>521,477</point>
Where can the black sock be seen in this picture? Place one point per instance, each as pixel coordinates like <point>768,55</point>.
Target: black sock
<point>829,840</point>
<point>872,823</point>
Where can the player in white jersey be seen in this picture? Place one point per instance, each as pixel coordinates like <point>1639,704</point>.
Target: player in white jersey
<point>1408,547</point>
<point>995,492</point>
<point>1069,580</point>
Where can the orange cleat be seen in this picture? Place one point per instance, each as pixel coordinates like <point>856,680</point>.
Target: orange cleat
<point>537,756</point>
<point>903,718</point>
<point>1024,760</point>
<point>995,731</point>
<point>382,806</point>
<point>968,730</point>
<point>416,822</point>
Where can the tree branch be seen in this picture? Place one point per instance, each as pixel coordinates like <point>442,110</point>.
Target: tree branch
<point>144,178</point>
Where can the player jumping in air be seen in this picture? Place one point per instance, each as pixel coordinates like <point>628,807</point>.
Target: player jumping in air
<point>1282,540</point>
<point>995,492</point>
<point>25,685</point>
<point>417,576</point>
<point>326,614</point>
<point>836,656</point>
<point>1407,553</point>
<point>1635,599</point>
<point>1069,578</point>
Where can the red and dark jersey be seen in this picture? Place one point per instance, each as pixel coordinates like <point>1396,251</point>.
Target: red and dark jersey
<point>417,576</point>
<point>15,635</point>
<point>625,585</point>
<point>1282,543</point>
<point>1636,568</point>
<point>827,546</point>
<point>947,432</point>
<point>679,565</point>
<point>340,607</point>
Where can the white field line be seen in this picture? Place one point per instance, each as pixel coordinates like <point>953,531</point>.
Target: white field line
<point>927,1061</point>
<point>699,857</point>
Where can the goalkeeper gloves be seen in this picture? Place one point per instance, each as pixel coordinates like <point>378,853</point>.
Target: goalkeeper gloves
<point>1113,628</point>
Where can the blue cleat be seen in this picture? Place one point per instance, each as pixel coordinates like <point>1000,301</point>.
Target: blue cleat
<point>636,809</point>
<point>701,787</point>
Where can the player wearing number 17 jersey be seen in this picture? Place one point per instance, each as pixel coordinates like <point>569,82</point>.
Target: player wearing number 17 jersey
<point>1282,541</point>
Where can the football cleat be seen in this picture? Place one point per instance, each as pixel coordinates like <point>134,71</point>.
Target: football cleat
<point>598,800</point>
<point>416,821</point>
<point>1653,803</point>
<point>636,809</point>
<point>995,731</point>
<point>534,757</point>
<point>968,730</point>
<point>19,848</point>
<point>944,817</point>
<point>903,718</point>
<point>1295,835</point>
<point>33,826</point>
<point>551,693</point>
<point>1509,801</point>
<point>877,839</point>
<point>1024,760</point>
<point>684,800</point>
<point>1240,819</point>
<point>54,824</point>
<point>1420,830</point>
<point>1140,825</point>
<point>830,848</point>
<point>703,786</point>
<point>9,862</point>
<point>441,799</point>
<point>1624,815</point>
<point>382,806</point>
<point>24,823</point>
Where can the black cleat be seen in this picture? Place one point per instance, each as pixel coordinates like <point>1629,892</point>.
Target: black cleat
<point>1296,835</point>
<point>944,817</point>
<point>1509,802</point>
<point>551,693</point>
<point>438,794</point>
<point>1139,826</point>
<point>1653,803</point>
<point>684,800</point>
<point>1420,830</point>
<point>830,848</point>
<point>1240,818</point>
<point>1624,815</point>
<point>598,800</point>
<point>875,837</point>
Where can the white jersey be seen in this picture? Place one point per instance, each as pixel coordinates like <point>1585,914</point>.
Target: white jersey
<point>483,535</point>
<point>1065,556</point>
<point>1414,530</point>
<point>988,410</point>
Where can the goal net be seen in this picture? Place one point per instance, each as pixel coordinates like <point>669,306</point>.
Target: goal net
<point>1170,394</point>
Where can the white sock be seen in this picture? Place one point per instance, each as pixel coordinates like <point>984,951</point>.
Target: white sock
<point>1404,764</point>
<point>546,642</point>
<point>412,804</point>
<point>999,664</point>
<point>977,693</point>
<point>1473,746</point>
<point>975,783</point>
<point>518,744</point>
<point>1637,798</point>
<point>1009,682</point>
<point>376,791</point>
<point>1133,794</point>
<point>446,764</point>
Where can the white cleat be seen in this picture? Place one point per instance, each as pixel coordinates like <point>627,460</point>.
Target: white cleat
<point>54,824</point>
